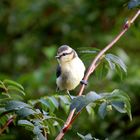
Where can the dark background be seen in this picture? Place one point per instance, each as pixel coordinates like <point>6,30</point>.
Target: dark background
<point>32,30</point>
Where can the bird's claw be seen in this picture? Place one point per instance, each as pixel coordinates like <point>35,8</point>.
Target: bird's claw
<point>83,82</point>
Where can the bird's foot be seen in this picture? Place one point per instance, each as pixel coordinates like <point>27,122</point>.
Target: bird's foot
<point>83,82</point>
<point>69,95</point>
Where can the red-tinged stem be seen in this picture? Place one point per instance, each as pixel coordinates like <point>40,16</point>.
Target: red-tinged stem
<point>91,69</point>
<point>7,124</point>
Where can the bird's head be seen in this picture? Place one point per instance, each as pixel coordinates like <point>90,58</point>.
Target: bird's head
<point>65,54</point>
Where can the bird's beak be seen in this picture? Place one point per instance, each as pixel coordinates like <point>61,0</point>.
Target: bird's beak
<point>57,56</point>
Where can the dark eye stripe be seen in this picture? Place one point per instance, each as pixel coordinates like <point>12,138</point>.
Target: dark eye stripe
<point>64,54</point>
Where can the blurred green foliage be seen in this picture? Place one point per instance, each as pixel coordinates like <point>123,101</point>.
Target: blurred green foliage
<point>30,33</point>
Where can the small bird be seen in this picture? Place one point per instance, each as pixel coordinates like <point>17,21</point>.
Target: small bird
<point>70,70</point>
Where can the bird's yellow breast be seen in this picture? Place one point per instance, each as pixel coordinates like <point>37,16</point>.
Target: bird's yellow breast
<point>71,74</point>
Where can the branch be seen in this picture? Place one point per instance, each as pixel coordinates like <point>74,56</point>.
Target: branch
<point>91,69</point>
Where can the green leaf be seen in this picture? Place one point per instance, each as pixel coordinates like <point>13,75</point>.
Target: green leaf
<point>26,124</point>
<point>86,137</point>
<point>51,127</point>
<point>115,60</point>
<point>128,109</point>
<point>133,4</point>
<point>101,71</point>
<point>117,94</point>
<point>45,102</point>
<point>119,106</point>
<point>89,109</point>
<point>102,110</point>
<point>16,105</point>
<point>111,65</point>
<point>64,99</point>
<point>89,51</point>
<point>82,101</point>
<point>10,82</point>
<point>81,136</point>
<point>54,102</point>
<point>24,112</point>
<point>53,118</point>
<point>64,102</point>
<point>78,103</point>
<point>13,88</point>
<point>41,137</point>
<point>51,103</point>
<point>120,96</point>
<point>93,96</point>
<point>37,130</point>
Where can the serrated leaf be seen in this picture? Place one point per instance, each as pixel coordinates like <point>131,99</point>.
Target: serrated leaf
<point>10,82</point>
<point>119,106</point>
<point>82,101</point>
<point>25,123</point>
<point>133,4</point>
<point>15,105</point>
<point>13,88</point>
<point>24,112</point>
<point>113,59</point>
<point>102,110</point>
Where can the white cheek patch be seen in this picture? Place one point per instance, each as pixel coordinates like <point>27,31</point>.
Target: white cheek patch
<point>64,54</point>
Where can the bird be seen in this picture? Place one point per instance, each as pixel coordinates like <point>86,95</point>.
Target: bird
<point>70,70</point>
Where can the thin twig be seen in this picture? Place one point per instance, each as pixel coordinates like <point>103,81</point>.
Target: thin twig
<point>91,69</point>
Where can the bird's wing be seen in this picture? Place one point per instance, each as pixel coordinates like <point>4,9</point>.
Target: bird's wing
<point>58,71</point>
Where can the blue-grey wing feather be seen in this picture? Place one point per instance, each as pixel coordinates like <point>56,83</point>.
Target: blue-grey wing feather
<point>58,71</point>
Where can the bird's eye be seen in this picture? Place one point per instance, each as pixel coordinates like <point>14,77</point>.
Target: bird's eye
<point>64,54</point>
